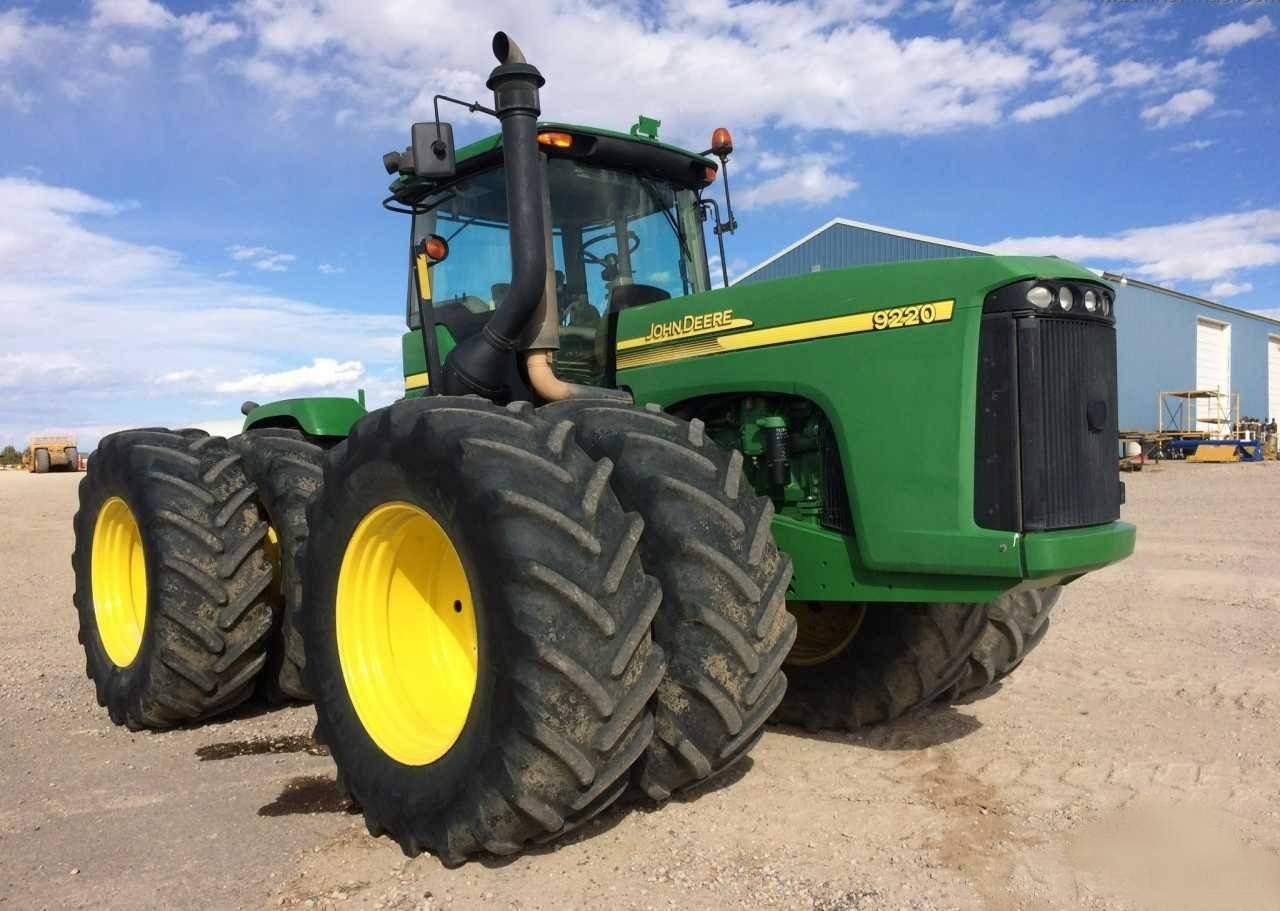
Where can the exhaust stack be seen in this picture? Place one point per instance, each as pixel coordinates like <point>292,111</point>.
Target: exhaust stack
<point>482,364</point>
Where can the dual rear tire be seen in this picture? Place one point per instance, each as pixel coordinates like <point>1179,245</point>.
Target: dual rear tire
<point>563,673</point>
<point>287,470</point>
<point>723,622</point>
<point>171,576</point>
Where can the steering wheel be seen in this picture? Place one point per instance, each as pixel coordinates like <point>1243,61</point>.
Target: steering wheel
<point>633,244</point>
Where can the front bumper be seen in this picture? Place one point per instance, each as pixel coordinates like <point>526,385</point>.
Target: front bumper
<point>829,566</point>
<point>1078,550</point>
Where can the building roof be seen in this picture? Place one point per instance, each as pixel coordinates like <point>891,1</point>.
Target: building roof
<point>973,248</point>
<point>1138,283</point>
<point>849,223</point>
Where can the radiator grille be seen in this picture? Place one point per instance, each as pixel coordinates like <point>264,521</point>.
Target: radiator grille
<point>1047,436</point>
<point>1070,442</point>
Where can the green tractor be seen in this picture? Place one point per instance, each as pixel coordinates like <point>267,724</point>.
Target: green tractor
<point>619,519</point>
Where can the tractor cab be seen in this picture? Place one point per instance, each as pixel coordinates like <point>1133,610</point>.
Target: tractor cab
<point>623,227</point>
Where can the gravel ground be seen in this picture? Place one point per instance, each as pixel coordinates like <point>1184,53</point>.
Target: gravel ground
<point>1133,762</point>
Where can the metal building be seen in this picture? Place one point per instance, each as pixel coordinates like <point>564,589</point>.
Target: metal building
<point>1166,340</point>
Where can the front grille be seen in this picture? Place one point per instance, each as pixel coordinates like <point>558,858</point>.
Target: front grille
<point>1047,435</point>
<point>1068,423</point>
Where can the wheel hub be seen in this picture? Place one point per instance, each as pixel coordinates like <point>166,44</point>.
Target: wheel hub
<point>823,630</point>
<point>119,582</point>
<point>406,632</point>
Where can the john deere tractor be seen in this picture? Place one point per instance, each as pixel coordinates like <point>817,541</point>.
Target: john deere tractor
<point>619,519</point>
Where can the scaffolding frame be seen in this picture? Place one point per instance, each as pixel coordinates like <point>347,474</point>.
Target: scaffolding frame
<point>1179,408</point>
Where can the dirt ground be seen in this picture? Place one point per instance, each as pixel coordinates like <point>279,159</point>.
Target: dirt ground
<point>1133,762</point>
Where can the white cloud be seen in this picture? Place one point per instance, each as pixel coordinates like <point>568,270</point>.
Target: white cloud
<point>1194,145</point>
<point>1178,109</point>
<point>263,259</point>
<point>178,377</point>
<point>330,269</point>
<point>16,98</point>
<point>1038,35</point>
<point>371,60</point>
<point>1071,67</point>
<point>202,33</point>
<point>1129,73</point>
<point>808,180</point>
<point>142,14</point>
<point>1234,34</point>
<point>128,57</point>
<point>1053,107</point>
<point>13,24</point>
<point>42,239</point>
<point>1193,70</point>
<point>1223,290</point>
<point>363,63</point>
<point>99,332</point>
<point>1204,249</point>
<point>323,374</point>
<point>23,370</point>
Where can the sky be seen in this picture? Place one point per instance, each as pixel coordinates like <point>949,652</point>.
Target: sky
<point>189,190</point>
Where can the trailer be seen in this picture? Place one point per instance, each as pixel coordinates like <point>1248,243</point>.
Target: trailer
<point>45,453</point>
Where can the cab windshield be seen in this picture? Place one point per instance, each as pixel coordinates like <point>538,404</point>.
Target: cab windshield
<point>619,240</point>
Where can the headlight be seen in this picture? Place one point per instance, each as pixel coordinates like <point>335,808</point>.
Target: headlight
<point>1065,298</point>
<point>1040,296</point>
<point>1091,302</point>
<point>1106,304</point>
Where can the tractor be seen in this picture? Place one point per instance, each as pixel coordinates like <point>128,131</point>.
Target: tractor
<point>620,518</point>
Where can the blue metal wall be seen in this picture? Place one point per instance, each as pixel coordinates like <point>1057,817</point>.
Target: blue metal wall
<point>1155,330</point>
<point>1156,340</point>
<point>841,246</point>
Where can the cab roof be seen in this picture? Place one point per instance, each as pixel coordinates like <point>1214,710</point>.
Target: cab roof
<point>619,149</point>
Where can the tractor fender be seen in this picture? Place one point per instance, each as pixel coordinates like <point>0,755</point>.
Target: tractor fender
<point>320,416</point>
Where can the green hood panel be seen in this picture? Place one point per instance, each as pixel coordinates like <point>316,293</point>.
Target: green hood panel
<point>901,398</point>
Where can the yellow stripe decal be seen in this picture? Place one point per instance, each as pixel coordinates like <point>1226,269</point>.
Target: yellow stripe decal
<point>715,323</point>
<point>416,380</point>
<point>424,277</point>
<point>870,321</point>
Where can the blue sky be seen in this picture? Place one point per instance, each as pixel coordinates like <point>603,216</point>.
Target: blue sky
<point>189,191</point>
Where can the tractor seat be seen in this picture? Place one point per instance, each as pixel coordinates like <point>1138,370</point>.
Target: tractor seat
<point>625,296</point>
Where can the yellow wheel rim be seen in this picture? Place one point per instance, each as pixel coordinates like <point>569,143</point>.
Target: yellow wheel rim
<point>119,581</point>
<point>823,630</point>
<point>406,630</point>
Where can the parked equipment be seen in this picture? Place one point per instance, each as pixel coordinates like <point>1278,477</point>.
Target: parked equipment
<point>613,503</point>
<point>46,453</point>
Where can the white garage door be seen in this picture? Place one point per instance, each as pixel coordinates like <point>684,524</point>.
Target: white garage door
<point>1213,371</point>
<point>1273,377</point>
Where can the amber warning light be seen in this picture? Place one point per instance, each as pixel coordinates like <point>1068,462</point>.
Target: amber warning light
<point>436,248</point>
<point>556,140</point>
<point>721,143</point>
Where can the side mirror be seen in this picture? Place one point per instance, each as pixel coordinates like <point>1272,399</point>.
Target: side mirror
<point>433,153</point>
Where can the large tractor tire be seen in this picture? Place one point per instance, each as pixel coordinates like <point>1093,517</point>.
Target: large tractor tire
<point>41,457</point>
<point>891,659</point>
<point>73,458</point>
<point>1016,623</point>
<point>171,577</point>
<point>287,470</point>
<point>487,548</point>
<point>723,622</point>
